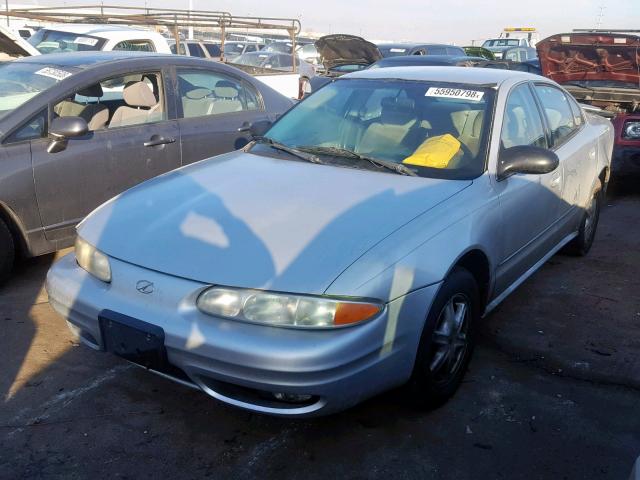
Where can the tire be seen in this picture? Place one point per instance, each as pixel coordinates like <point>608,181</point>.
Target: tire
<point>581,245</point>
<point>7,252</point>
<point>443,357</point>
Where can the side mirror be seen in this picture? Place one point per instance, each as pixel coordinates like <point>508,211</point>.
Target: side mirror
<point>258,129</point>
<point>64,128</point>
<point>526,159</point>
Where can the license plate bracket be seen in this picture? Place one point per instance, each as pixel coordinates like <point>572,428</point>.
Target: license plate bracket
<point>132,339</point>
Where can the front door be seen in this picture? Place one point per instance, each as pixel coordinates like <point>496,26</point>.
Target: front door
<point>216,111</point>
<point>530,204</point>
<point>131,141</point>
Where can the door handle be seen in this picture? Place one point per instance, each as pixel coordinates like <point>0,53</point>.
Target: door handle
<point>157,140</point>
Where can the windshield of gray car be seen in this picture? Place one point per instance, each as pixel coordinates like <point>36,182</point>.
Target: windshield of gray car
<point>438,130</point>
<point>54,41</point>
<point>19,82</point>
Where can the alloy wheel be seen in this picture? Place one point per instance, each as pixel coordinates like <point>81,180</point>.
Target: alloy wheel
<point>450,339</point>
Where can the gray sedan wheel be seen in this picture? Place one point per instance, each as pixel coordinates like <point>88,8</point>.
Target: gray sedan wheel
<point>7,252</point>
<point>582,243</point>
<point>447,341</point>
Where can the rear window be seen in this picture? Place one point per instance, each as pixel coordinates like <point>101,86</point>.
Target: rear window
<point>54,41</point>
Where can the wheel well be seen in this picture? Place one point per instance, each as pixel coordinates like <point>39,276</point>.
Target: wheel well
<point>477,263</point>
<point>18,239</point>
<point>604,178</point>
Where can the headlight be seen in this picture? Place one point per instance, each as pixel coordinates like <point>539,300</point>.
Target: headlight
<point>285,310</point>
<point>92,260</point>
<point>632,130</point>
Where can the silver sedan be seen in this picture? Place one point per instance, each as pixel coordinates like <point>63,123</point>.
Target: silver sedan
<point>352,249</point>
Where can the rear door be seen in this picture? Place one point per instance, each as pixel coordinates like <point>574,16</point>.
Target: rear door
<point>108,160</point>
<point>215,111</point>
<point>530,204</point>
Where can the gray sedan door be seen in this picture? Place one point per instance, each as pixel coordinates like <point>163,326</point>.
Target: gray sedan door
<point>531,204</point>
<point>216,111</point>
<point>105,162</point>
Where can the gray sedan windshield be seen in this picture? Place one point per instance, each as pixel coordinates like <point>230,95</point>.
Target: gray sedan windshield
<point>436,130</point>
<point>19,82</point>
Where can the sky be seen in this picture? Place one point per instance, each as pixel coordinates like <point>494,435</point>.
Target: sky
<point>447,21</point>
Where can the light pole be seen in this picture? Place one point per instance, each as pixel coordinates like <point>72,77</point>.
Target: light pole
<point>6,6</point>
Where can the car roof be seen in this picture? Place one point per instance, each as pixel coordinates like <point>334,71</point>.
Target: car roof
<point>90,29</point>
<point>413,45</point>
<point>472,76</point>
<point>89,58</point>
<point>426,59</point>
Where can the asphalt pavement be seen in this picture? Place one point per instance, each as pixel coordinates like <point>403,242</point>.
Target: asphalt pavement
<point>552,393</point>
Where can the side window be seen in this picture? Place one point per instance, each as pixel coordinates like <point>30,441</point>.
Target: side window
<point>578,118</point>
<point>558,112</point>
<point>437,51</point>
<point>122,101</point>
<point>250,48</point>
<point>213,49</point>
<point>35,128</point>
<point>195,50</point>
<point>135,46</point>
<point>205,93</point>
<point>522,124</point>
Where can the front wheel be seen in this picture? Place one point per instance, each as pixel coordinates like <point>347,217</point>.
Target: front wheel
<point>447,341</point>
<point>581,245</point>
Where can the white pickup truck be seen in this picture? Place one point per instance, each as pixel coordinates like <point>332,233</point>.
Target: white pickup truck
<point>80,37</point>
<point>14,46</point>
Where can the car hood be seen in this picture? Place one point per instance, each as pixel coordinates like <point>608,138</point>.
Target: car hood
<point>13,45</point>
<point>341,49</point>
<point>586,57</point>
<point>253,221</point>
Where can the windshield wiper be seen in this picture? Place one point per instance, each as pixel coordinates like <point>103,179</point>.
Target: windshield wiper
<point>343,152</point>
<point>290,150</point>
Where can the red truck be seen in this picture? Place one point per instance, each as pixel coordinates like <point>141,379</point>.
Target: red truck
<point>601,69</point>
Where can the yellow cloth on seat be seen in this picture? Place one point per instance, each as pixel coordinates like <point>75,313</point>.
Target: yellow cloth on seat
<point>435,152</point>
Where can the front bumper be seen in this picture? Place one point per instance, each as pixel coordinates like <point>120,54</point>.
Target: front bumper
<point>232,360</point>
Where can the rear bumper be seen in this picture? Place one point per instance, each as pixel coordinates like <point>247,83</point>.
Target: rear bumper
<point>238,362</point>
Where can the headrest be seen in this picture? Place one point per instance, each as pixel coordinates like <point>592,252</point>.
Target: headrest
<point>198,93</point>
<point>398,110</point>
<point>92,91</point>
<point>477,124</point>
<point>225,89</point>
<point>139,94</point>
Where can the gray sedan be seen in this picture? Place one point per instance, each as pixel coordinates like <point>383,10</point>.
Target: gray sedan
<point>352,250</point>
<point>77,129</point>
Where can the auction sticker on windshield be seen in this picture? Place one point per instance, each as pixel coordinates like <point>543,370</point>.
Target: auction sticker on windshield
<point>54,73</point>
<point>473,95</point>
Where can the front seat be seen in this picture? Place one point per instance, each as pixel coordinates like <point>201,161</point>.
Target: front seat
<point>141,106</point>
<point>96,114</point>
<point>388,134</point>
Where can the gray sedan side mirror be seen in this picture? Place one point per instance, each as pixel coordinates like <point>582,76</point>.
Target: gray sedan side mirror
<point>526,159</point>
<point>64,128</point>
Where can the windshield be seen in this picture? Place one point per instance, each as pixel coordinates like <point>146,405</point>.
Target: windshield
<point>437,130</point>
<point>252,60</point>
<point>53,41</point>
<point>502,42</point>
<point>393,51</point>
<point>233,49</point>
<point>20,82</point>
